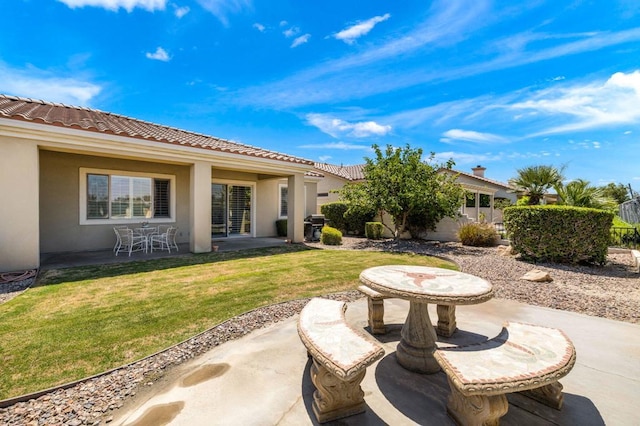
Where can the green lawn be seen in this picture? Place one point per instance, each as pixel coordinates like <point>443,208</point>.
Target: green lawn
<point>81,321</point>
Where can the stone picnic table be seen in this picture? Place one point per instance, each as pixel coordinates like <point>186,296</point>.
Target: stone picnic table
<point>421,285</point>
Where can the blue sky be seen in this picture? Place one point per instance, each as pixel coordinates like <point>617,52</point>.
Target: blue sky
<point>497,83</point>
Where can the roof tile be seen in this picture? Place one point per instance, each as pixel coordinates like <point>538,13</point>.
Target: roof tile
<point>88,119</point>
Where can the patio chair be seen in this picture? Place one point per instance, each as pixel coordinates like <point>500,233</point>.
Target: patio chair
<point>118,241</point>
<point>165,240</point>
<point>129,242</point>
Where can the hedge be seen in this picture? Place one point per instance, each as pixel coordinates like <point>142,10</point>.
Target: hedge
<point>348,223</point>
<point>561,234</point>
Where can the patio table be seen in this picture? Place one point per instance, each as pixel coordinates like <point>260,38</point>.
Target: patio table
<point>147,232</point>
<point>421,285</point>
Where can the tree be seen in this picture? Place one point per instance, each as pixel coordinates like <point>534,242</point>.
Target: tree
<point>535,181</point>
<point>580,193</point>
<point>398,183</point>
<point>618,192</point>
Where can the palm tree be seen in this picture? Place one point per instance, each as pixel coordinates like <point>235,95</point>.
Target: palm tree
<point>580,193</point>
<point>535,181</point>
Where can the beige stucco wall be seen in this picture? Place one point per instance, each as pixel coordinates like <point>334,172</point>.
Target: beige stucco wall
<point>60,228</point>
<point>446,229</point>
<point>19,244</point>
<point>326,185</point>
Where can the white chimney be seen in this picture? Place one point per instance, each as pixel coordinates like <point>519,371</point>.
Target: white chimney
<point>479,171</point>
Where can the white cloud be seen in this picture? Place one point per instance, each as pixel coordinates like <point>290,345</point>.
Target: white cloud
<point>350,34</point>
<point>159,55</point>
<point>40,84</point>
<point>464,158</point>
<point>221,9</point>
<point>325,158</point>
<point>339,79</point>
<point>259,27</point>
<point>290,32</point>
<point>628,132</point>
<point>616,101</point>
<point>181,11</point>
<point>300,40</point>
<point>337,145</point>
<point>336,127</point>
<point>471,136</point>
<point>114,5</point>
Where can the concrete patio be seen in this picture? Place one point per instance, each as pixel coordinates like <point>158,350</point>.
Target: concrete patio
<point>101,257</point>
<point>263,378</point>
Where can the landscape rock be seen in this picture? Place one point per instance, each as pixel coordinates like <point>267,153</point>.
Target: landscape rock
<point>537,276</point>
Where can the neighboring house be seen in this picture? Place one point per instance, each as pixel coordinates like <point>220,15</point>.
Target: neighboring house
<point>479,202</point>
<point>68,175</point>
<point>481,194</point>
<point>335,177</point>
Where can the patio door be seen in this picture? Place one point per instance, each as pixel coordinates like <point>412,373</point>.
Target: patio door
<point>230,210</point>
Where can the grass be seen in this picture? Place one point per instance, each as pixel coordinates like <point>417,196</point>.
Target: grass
<point>82,321</point>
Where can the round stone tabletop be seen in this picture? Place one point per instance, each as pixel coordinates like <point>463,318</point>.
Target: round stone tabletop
<point>427,284</point>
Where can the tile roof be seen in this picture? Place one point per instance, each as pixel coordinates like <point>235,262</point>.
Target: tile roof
<point>356,173</point>
<point>484,179</point>
<point>93,120</point>
<point>350,173</point>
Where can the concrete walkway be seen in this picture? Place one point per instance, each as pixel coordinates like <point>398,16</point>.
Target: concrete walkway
<point>263,378</point>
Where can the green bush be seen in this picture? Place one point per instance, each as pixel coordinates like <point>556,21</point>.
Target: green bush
<point>281,227</point>
<point>478,234</point>
<point>561,234</point>
<point>373,230</point>
<point>331,236</point>
<point>348,223</point>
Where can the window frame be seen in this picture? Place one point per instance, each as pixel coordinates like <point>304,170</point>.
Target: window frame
<point>84,172</point>
<point>280,199</point>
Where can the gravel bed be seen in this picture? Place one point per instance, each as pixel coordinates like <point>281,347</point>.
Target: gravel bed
<point>611,291</point>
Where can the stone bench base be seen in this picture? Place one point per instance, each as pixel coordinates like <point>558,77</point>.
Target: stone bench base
<point>340,358</point>
<point>446,314</point>
<point>523,358</point>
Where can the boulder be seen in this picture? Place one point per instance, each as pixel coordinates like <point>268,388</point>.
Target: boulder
<point>537,276</point>
<point>505,250</point>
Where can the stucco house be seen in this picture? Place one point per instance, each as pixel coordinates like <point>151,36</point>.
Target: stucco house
<point>70,174</point>
<point>479,204</point>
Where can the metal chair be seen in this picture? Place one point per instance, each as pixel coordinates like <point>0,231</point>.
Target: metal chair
<point>118,241</point>
<point>129,242</point>
<point>164,241</point>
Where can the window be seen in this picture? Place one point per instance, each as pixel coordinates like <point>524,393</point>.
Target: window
<point>470,200</point>
<point>485,200</point>
<point>283,201</point>
<point>284,194</point>
<point>107,196</point>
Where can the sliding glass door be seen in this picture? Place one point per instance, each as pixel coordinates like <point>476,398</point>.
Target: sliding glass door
<point>230,210</point>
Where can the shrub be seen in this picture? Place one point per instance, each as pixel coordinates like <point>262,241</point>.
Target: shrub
<point>334,213</point>
<point>331,236</point>
<point>347,222</point>
<point>373,230</point>
<point>478,234</point>
<point>562,234</point>
<point>281,227</point>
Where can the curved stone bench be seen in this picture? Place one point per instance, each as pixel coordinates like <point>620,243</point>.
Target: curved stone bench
<point>522,357</point>
<point>340,358</point>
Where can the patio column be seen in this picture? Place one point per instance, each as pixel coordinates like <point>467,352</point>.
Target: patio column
<point>200,208</point>
<point>20,209</point>
<point>295,208</point>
